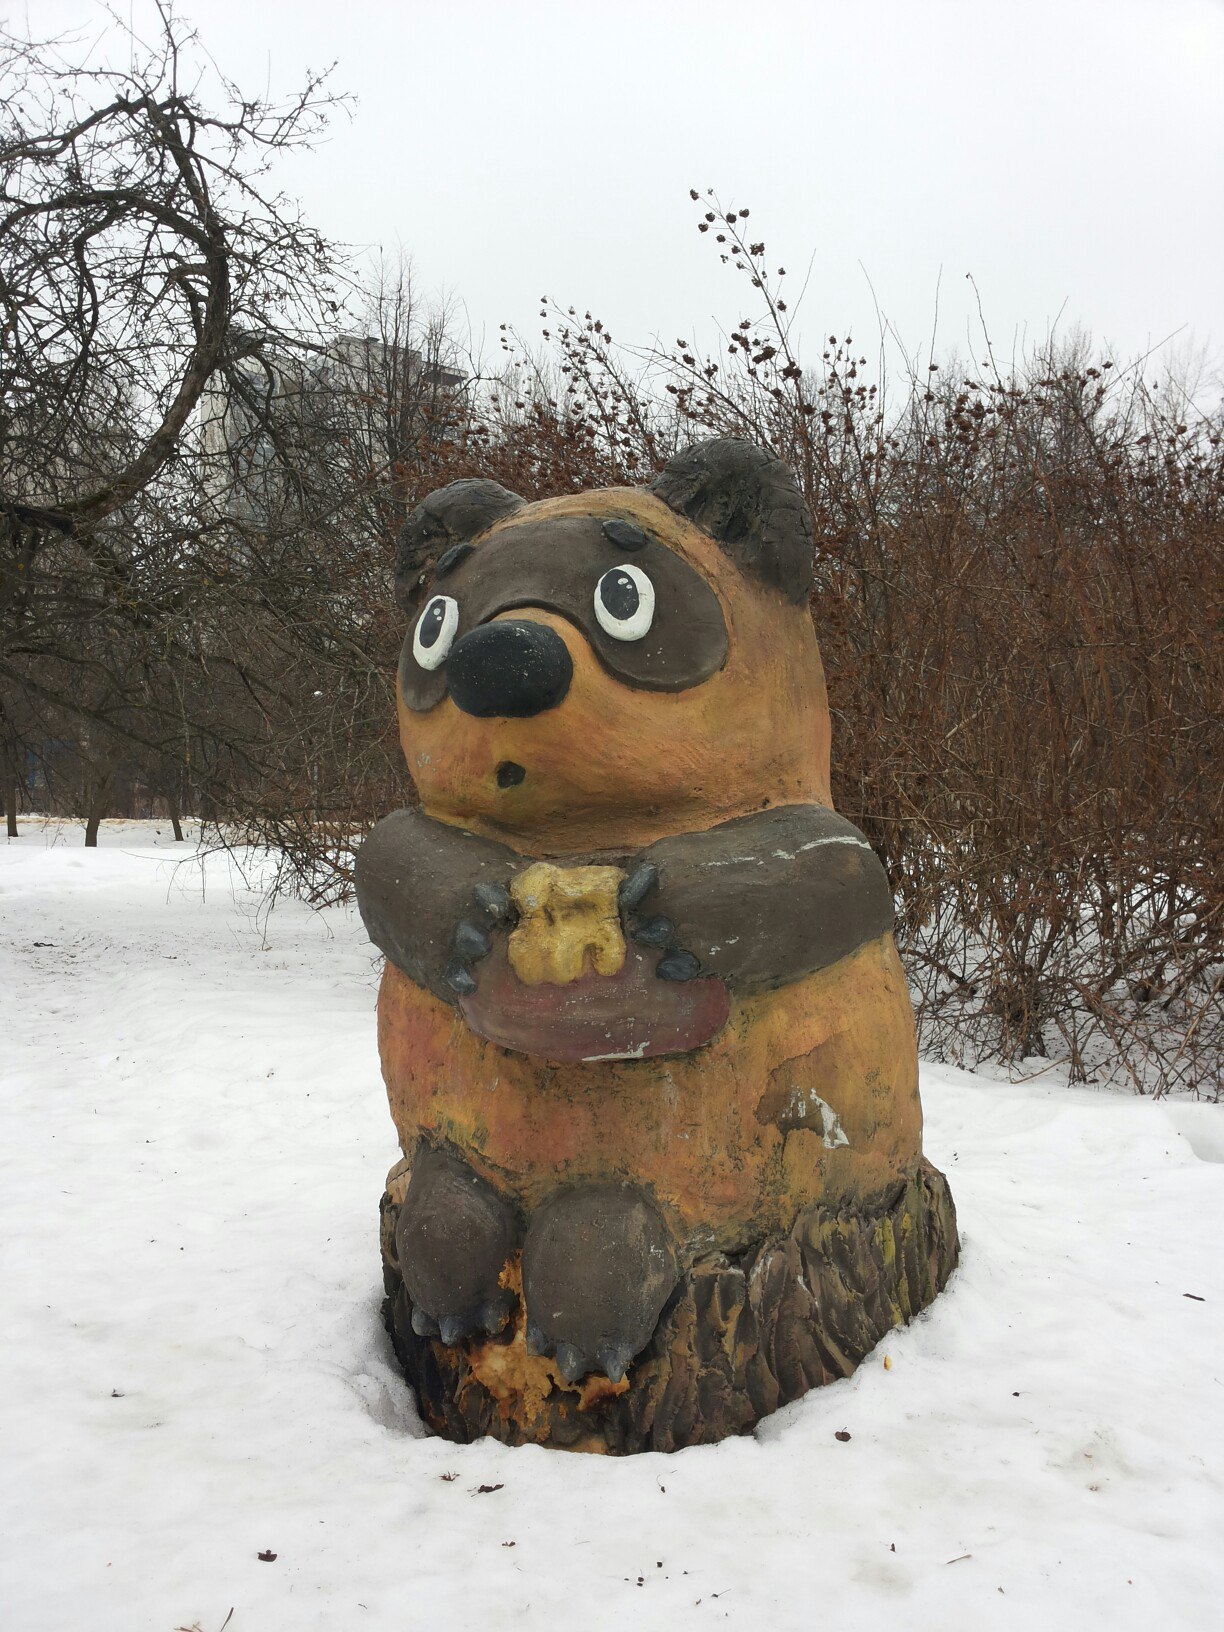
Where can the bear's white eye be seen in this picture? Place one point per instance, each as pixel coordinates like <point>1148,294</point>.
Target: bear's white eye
<point>435,630</point>
<point>624,602</point>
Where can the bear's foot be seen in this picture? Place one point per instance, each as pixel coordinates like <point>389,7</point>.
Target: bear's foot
<point>735,1340</point>
<point>453,1238</point>
<point>598,1266</point>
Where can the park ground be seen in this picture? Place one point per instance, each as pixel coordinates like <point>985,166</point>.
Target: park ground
<point>200,1413</point>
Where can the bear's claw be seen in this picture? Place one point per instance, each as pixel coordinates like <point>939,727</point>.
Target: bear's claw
<point>460,978</point>
<point>452,1327</point>
<point>471,943</point>
<point>655,929</point>
<point>652,931</point>
<point>634,889</point>
<point>494,900</point>
<point>453,1237</point>
<point>678,965</point>
<point>598,1266</point>
<point>471,940</point>
<point>613,1360</point>
<point>495,1312</point>
<point>490,1319</point>
<point>571,1362</point>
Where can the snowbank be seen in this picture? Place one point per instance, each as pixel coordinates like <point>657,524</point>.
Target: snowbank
<point>192,1147</point>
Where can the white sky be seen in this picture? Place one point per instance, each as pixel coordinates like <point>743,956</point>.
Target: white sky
<point>1070,155</point>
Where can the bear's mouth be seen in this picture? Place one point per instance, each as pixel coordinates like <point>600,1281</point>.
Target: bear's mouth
<point>509,774</point>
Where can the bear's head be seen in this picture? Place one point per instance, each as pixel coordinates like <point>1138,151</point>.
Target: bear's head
<point>595,671</point>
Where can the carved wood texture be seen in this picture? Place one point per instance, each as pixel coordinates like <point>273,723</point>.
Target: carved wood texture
<point>740,1338</point>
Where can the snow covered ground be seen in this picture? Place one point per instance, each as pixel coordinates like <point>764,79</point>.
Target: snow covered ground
<point>193,1138</point>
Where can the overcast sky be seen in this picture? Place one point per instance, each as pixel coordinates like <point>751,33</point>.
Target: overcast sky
<point>1068,155</point>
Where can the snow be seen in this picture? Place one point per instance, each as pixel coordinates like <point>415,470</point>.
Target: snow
<point>194,1138</point>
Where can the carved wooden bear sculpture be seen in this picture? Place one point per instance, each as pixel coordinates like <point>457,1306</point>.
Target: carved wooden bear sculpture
<point>646,1037</point>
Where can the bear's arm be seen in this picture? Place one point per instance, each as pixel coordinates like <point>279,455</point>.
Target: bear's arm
<point>417,883</point>
<point>767,899</point>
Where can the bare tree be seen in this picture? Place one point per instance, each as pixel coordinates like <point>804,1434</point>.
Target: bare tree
<point>365,428</point>
<point>141,256</point>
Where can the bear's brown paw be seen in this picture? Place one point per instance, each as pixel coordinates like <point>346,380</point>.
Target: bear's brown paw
<point>453,1238</point>
<point>598,1266</point>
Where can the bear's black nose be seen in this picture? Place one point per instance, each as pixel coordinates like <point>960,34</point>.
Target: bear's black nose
<point>509,670</point>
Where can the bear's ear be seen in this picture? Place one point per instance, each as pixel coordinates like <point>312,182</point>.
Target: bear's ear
<point>453,515</point>
<point>748,501</point>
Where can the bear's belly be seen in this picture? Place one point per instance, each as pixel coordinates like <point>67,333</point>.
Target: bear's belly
<point>809,1092</point>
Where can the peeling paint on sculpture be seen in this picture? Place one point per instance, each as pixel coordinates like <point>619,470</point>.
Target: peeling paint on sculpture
<point>647,1042</point>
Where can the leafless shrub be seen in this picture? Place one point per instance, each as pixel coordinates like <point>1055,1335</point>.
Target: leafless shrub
<point>1019,597</point>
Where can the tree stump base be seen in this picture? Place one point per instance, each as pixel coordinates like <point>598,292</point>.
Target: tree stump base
<point>738,1339</point>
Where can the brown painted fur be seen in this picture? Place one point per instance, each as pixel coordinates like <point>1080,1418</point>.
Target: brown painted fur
<point>731,1140</point>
